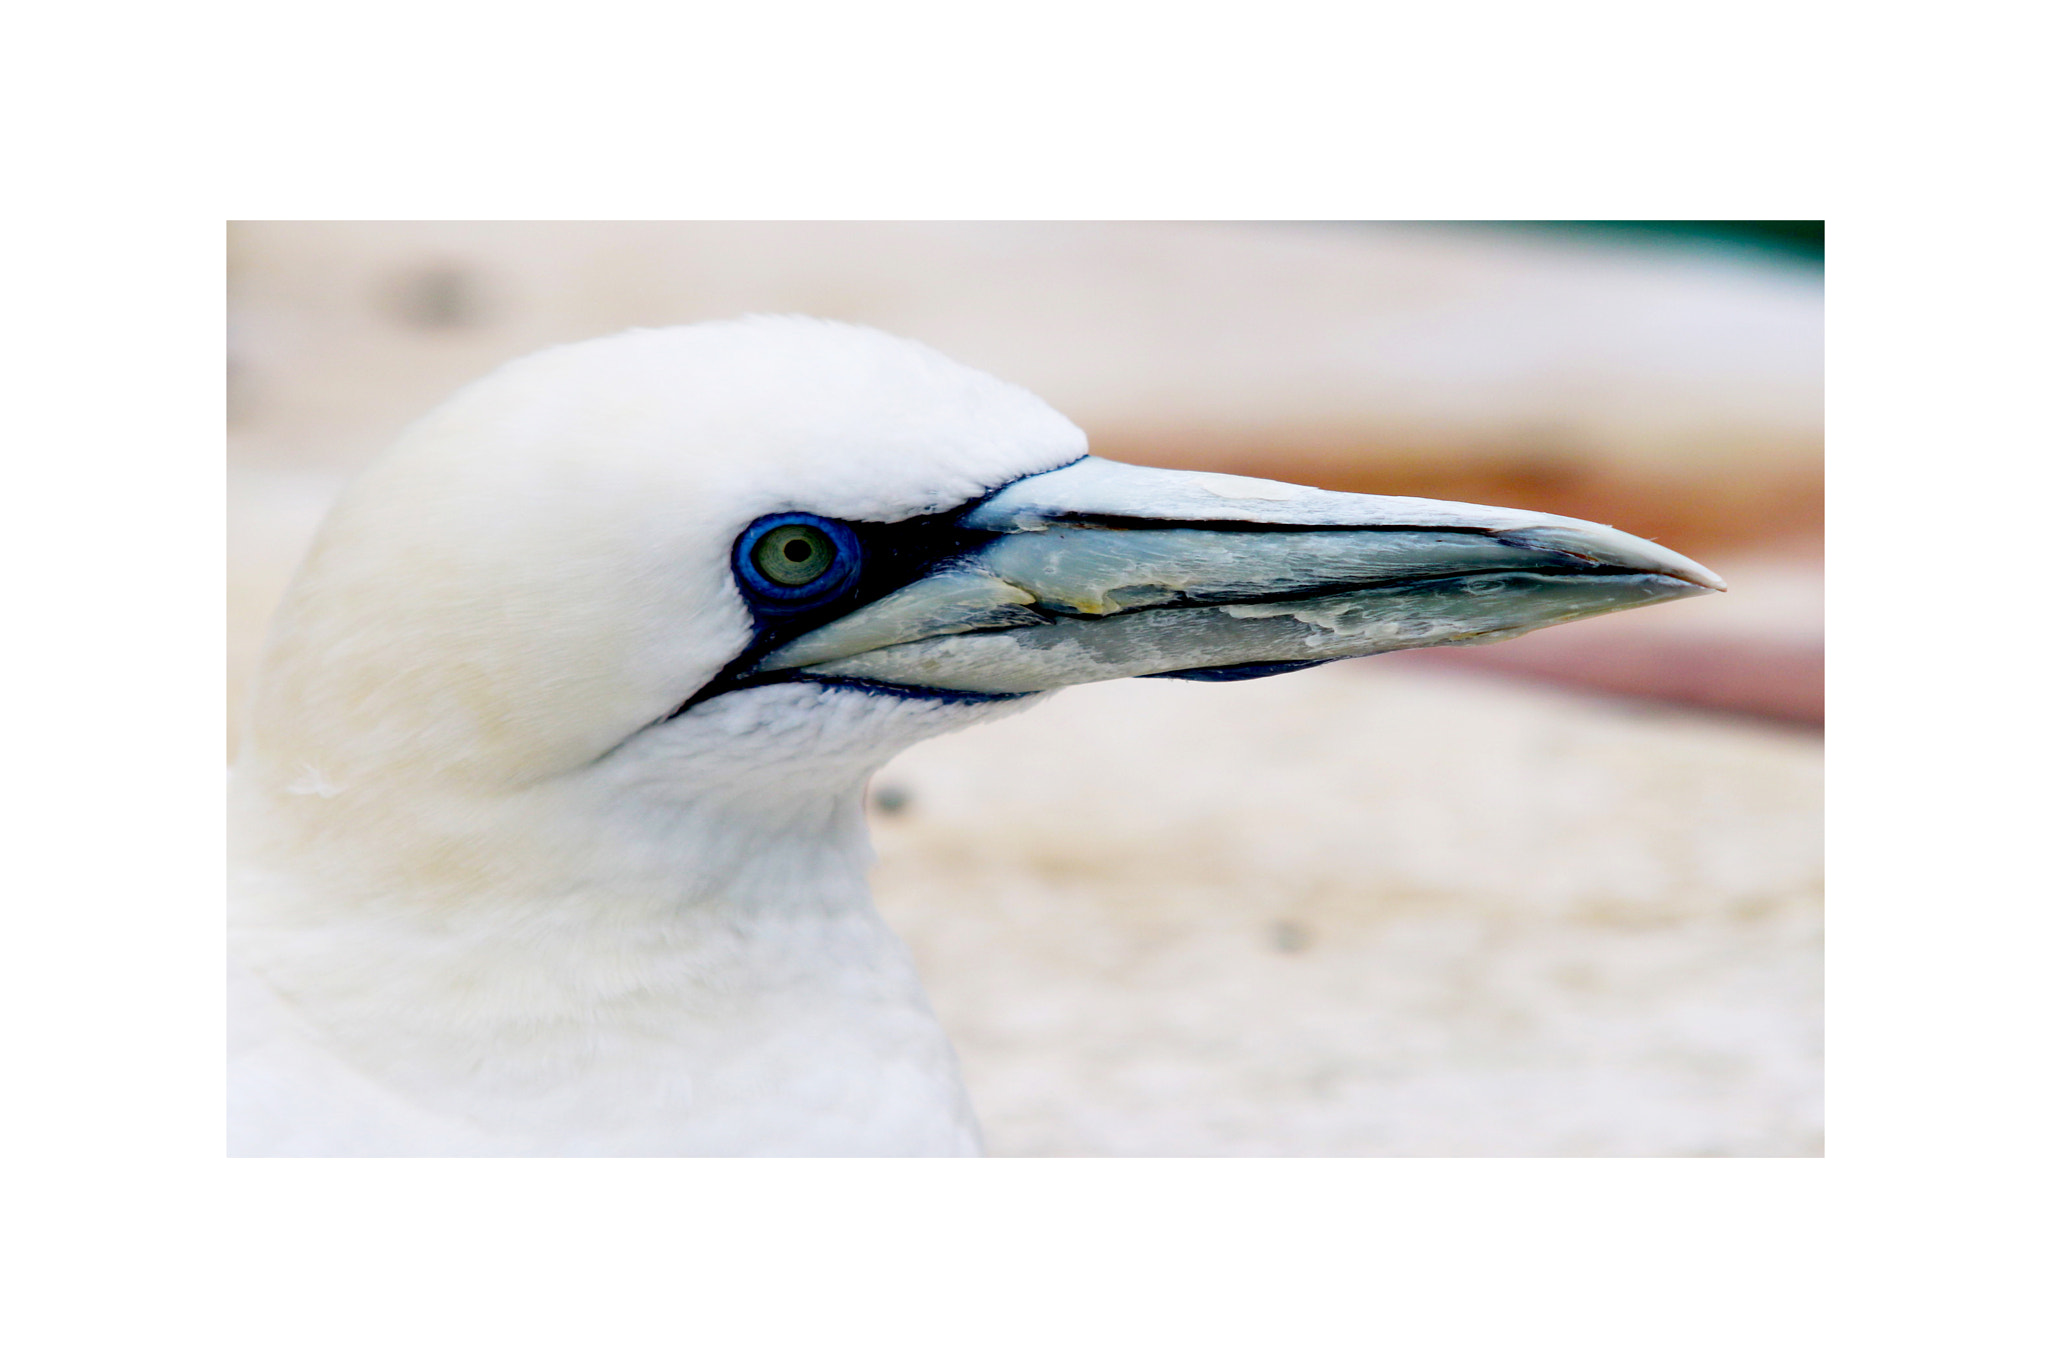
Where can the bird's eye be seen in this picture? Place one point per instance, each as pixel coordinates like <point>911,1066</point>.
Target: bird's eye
<point>795,561</point>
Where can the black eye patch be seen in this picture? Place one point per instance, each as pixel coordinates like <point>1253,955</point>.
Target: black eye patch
<point>798,571</point>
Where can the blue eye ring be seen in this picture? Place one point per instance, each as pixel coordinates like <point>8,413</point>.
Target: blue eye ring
<point>774,544</point>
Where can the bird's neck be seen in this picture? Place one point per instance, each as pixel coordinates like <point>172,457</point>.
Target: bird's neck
<point>659,983</point>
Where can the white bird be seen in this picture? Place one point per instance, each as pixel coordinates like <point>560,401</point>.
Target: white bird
<point>547,833</point>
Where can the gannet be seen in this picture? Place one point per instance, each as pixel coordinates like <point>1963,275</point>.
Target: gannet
<point>547,832</point>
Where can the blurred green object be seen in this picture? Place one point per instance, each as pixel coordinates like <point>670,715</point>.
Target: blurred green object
<point>1788,238</point>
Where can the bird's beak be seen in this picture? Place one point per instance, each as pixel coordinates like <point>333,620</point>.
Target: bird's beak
<point>1101,570</point>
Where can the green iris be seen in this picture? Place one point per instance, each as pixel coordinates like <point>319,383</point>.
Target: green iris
<point>792,556</point>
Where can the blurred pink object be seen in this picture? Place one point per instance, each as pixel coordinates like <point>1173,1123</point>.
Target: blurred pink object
<point>1758,651</point>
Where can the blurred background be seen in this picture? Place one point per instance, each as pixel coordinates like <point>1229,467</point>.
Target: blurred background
<point>1557,896</point>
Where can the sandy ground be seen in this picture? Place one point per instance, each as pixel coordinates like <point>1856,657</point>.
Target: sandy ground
<point>1368,910</point>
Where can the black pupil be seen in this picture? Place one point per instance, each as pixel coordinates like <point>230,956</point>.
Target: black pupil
<point>797,552</point>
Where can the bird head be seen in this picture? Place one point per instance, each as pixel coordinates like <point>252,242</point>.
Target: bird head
<point>745,562</point>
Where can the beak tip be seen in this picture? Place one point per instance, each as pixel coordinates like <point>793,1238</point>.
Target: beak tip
<point>1609,546</point>
<point>1704,579</point>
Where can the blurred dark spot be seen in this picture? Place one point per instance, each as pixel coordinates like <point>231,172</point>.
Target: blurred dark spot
<point>1755,907</point>
<point>238,391</point>
<point>1576,976</point>
<point>1289,937</point>
<point>437,298</point>
<point>890,799</point>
